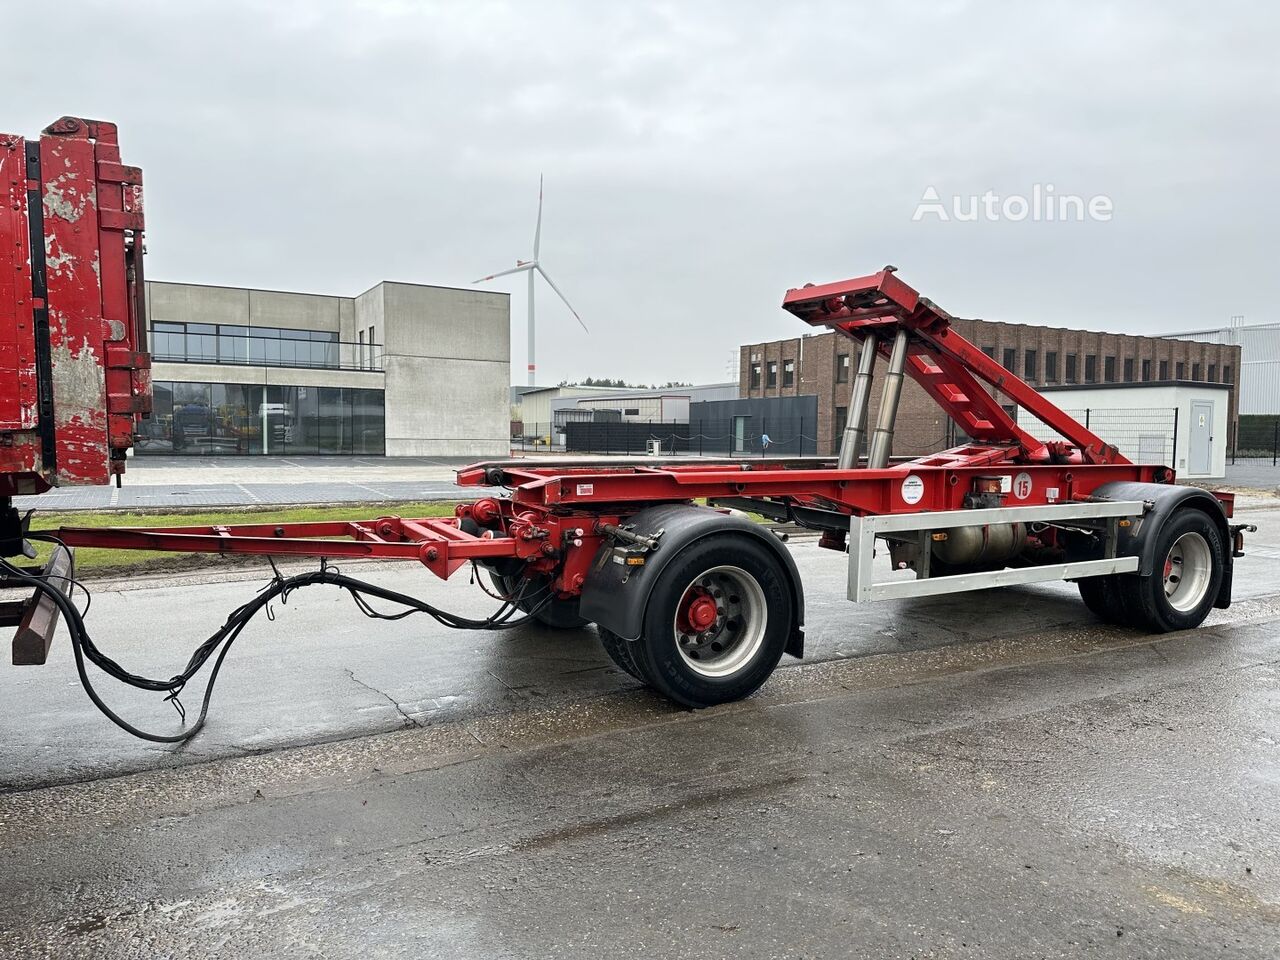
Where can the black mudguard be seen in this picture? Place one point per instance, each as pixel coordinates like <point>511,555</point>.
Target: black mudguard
<point>616,592</point>
<point>1139,540</point>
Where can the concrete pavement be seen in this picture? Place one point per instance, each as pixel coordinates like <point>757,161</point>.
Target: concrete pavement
<point>182,482</point>
<point>987,776</point>
<point>1256,474</point>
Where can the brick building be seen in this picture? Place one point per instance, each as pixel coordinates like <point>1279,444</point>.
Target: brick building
<point>823,365</point>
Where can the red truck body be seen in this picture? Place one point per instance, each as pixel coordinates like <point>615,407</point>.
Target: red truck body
<point>74,372</point>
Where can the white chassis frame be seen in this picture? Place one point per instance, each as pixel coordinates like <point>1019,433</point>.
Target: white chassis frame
<point>864,531</point>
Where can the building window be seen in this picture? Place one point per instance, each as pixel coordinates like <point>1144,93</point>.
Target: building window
<point>206,419</point>
<point>1090,368</point>
<point>842,417</point>
<point>755,376</point>
<point>1213,373</point>
<point>990,352</point>
<point>1010,358</point>
<point>1146,370</point>
<point>631,411</point>
<point>842,368</point>
<point>1179,370</point>
<point>1226,373</point>
<point>1128,369</point>
<point>771,373</point>
<point>1164,369</point>
<point>1051,367</point>
<point>788,373</point>
<point>1109,369</point>
<point>1029,366</point>
<point>1195,371</point>
<point>257,346</point>
<point>1071,368</point>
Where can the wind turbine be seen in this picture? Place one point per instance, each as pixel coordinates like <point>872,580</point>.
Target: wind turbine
<point>531,267</point>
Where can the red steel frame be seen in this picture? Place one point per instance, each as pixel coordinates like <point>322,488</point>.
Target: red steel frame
<point>74,374</point>
<point>558,515</point>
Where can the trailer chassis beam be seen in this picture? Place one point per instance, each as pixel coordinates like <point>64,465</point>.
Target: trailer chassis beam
<point>864,588</point>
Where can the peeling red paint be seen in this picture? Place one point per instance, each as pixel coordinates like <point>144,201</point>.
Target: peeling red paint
<point>18,410</point>
<point>91,210</point>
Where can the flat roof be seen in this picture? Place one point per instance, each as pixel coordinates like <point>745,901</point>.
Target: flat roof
<point>1006,323</point>
<point>312,293</point>
<point>1129,385</point>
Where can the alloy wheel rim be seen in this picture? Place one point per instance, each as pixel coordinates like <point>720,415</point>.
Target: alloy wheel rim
<point>1188,570</point>
<point>720,621</point>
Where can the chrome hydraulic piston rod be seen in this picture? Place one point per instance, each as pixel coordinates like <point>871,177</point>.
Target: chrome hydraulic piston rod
<point>882,439</point>
<point>855,428</point>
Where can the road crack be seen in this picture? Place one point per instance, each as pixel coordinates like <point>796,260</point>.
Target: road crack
<point>409,721</point>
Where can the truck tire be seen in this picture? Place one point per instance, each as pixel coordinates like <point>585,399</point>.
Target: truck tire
<point>1189,566</point>
<point>620,651</point>
<point>559,614</point>
<point>717,621</point>
<point>1103,597</point>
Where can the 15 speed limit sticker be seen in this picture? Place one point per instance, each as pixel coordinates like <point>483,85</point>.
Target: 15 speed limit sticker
<point>913,489</point>
<point>1022,486</point>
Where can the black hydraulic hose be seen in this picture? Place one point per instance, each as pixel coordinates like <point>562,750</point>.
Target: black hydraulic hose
<point>83,647</point>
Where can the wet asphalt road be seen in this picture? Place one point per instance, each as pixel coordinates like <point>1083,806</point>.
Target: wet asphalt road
<point>987,776</point>
<point>180,483</point>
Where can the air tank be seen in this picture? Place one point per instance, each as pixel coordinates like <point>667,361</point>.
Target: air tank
<point>993,543</point>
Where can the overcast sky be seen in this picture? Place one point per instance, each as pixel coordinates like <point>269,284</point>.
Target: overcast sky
<point>700,158</point>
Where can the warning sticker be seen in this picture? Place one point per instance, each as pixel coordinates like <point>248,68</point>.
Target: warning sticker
<point>1022,486</point>
<point>912,489</point>
<point>586,489</point>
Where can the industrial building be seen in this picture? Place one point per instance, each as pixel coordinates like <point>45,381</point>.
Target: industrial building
<point>1179,423</point>
<point>542,413</point>
<point>399,370</point>
<point>1259,345</point>
<point>738,427</point>
<point>533,404</point>
<point>664,405</point>
<point>1046,357</point>
<point>537,405</point>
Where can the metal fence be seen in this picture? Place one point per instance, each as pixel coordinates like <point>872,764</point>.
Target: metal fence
<point>1257,440</point>
<point>1143,434</point>
<point>723,437</point>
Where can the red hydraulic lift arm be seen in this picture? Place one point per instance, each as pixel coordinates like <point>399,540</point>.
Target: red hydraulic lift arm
<point>944,363</point>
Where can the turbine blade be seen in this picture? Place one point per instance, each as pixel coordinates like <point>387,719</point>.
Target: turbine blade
<point>503,273</point>
<point>537,231</point>
<point>552,284</point>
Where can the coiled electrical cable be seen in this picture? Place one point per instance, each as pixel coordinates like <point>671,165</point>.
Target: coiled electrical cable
<point>220,641</point>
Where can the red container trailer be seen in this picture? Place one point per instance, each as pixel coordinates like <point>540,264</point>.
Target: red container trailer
<point>687,595</point>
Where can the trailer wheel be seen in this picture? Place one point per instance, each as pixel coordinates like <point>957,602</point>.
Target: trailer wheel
<point>559,614</point>
<point>620,651</point>
<point>1103,598</point>
<point>716,623</point>
<point>1181,590</point>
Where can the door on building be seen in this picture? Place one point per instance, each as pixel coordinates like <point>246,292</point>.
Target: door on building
<point>740,434</point>
<point>1200,454</point>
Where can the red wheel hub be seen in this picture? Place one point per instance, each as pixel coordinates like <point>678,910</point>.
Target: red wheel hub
<point>699,612</point>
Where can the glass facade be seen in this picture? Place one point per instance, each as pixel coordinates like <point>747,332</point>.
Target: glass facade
<point>260,346</point>
<point>240,419</point>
